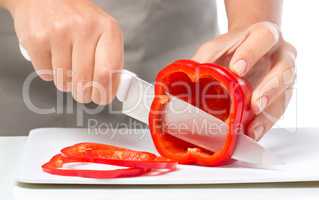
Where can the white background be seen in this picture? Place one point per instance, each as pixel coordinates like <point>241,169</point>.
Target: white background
<point>300,26</point>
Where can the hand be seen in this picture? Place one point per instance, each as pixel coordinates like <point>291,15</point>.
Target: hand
<point>260,55</point>
<point>74,43</point>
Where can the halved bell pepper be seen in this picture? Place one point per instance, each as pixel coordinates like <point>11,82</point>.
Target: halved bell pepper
<point>201,80</point>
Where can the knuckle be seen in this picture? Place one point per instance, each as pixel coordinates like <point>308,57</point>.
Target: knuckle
<point>80,98</point>
<point>60,29</point>
<point>38,38</point>
<point>62,81</point>
<point>59,86</point>
<point>292,49</point>
<point>288,76</point>
<point>101,76</point>
<point>112,26</point>
<point>85,24</point>
<point>112,23</point>
<point>96,100</point>
<point>102,93</point>
<point>249,55</point>
<point>268,29</point>
<point>257,93</point>
<point>100,99</point>
<point>81,89</point>
<point>289,64</point>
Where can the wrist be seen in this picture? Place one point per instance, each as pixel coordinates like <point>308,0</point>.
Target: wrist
<point>233,26</point>
<point>237,26</point>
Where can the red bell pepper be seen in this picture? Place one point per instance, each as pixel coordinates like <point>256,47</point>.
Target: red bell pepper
<point>55,166</point>
<point>108,154</point>
<point>138,162</point>
<point>201,80</point>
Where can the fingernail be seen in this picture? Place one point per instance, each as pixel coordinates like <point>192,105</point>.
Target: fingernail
<point>258,131</point>
<point>67,87</point>
<point>261,104</point>
<point>240,67</point>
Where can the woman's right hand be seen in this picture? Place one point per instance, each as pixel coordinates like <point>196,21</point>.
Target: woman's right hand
<point>72,42</point>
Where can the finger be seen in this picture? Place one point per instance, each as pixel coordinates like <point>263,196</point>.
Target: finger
<point>213,50</point>
<point>261,69</point>
<point>261,38</point>
<point>38,49</point>
<point>281,76</point>
<point>108,64</point>
<point>62,63</point>
<point>265,120</point>
<point>82,68</point>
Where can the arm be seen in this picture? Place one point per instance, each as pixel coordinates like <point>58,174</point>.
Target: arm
<point>244,13</point>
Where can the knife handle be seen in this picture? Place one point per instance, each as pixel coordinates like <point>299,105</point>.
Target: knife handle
<point>125,79</point>
<point>124,85</point>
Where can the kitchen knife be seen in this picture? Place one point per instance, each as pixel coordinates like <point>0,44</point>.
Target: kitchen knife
<point>198,127</point>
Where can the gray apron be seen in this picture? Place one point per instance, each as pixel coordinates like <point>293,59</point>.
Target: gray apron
<point>156,33</point>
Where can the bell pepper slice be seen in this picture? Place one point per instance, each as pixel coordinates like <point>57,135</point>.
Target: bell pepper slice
<point>54,166</point>
<point>201,80</point>
<point>88,149</point>
<point>138,162</point>
<point>108,154</point>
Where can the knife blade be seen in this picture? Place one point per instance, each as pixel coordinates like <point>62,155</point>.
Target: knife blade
<point>199,127</point>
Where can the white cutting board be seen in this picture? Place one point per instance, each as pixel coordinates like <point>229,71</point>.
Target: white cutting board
<point>299,150</point>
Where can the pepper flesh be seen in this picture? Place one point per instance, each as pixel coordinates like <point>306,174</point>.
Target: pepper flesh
<point>137,162</point>
<point>109,154</point>
<point>235,105</point>
<point>54,166</point>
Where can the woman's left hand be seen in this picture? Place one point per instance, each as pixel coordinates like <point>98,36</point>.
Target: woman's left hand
<point>260,55</point>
